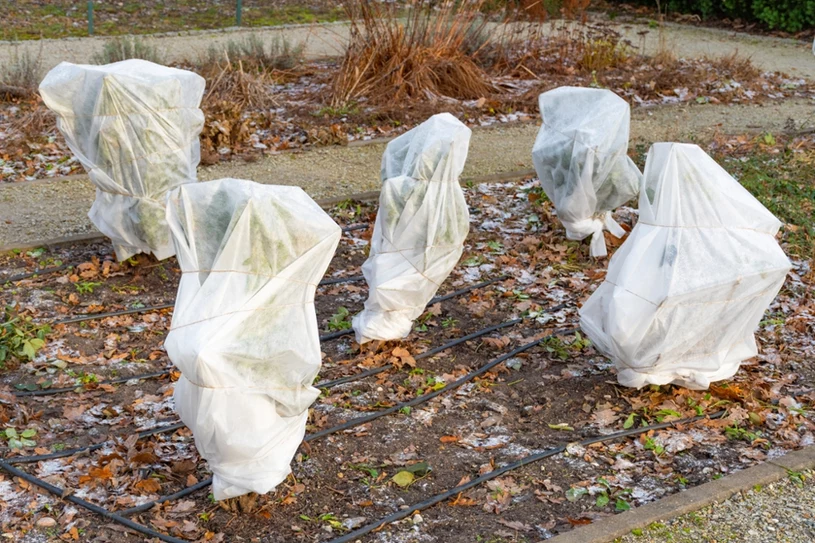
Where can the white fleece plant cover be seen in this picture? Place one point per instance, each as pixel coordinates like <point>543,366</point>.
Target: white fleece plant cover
<point>685,292</point>
<point>420,227</point>
<point>244,331</point>
<point>581,161</point>
<point>134,126</point>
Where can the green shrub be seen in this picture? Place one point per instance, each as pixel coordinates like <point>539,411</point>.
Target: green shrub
<point>786,15</point>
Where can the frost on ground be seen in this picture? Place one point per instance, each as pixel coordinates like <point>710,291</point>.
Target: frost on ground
<point>556,394</point>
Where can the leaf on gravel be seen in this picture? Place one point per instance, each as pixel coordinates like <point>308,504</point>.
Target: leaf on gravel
<point>403,478</point>
<point>449,439</point>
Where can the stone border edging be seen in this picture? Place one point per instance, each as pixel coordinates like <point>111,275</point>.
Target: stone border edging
<point>323,202</point>
<point>693,499</point>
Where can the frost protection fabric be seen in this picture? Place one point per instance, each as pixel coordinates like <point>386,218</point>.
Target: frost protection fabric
<point>685,292</point>
<point>420,227</point>
<point>244,331</point>
<point>134,126</point>
<point>581,161</point>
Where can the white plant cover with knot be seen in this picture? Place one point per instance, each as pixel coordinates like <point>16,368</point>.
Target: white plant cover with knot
<point>420,227</point>
<point>244,331</point>
<point>581,159</point>
<point>134,126</point>
<point>685,292</point>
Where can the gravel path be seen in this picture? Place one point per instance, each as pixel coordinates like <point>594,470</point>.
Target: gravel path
<point>321,40</point>
<point>779,512</point>
<point>48,209</point>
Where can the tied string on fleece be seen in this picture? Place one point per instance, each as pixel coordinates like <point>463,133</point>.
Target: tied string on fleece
<point>594,227</point>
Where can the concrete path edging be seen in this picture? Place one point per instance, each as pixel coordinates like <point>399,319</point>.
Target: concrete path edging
<point>693,499</point>
<point>325,203</point>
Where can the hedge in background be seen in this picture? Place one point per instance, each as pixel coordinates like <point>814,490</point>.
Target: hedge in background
<point>786,15</point>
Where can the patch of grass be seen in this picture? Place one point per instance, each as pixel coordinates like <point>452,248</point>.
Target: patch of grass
<point>20,77</point>
<point>785,184</point>
<point>253,54</point>
<point>125,48</point>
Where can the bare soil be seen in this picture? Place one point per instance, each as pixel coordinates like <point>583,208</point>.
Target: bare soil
<point>554,394</point>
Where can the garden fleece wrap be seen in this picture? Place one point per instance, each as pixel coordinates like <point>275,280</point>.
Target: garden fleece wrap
<point>134,126</point>
<point>686,291</point>
<point>581,159</point>
<point>244,331</point>
<point>420,227</point>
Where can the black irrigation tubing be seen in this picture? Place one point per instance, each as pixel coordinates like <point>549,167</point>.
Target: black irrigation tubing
<point>430,395</point>
<point>437,299</point>
<point>148,308</point>
<point>431,352</point>
<point>41,271</point>
<point>119,380</point>
<point>87,505</point>
<point>363,226</point>
<point>529,459</point>
<point>44,271</point>
<point>91,448</point>
<point>323,338</point>
<point>168,498</point>
<point>94,316</point>
<point>362,420</point>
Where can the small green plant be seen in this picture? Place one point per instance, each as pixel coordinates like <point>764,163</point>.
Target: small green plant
<point>495,246</point>
<point>651,445</point>
<point>449,322</point>
<point>20,337</point>
<point>20,440</point>
<point>737,433</point>
<point>339,320</point>
<point>86,287</point>
<point>610,493</point>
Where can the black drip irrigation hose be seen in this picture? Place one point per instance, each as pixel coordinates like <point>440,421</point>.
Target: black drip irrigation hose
<point>91,448</point>
<point>362,420</point>
<point>41,271</point>
<point>430,395</point>
<point>168,498</point>
<point>148,308</point>
<point>431,352</point>
<point>119,380</point>
<point>45,271</point>
<point>94,316</point>
<point>437,299</point>
<point>363,226</point>
<point>529,459</point>
<point>87,505</point>
<point>323,338</point>
<point>325,384</point>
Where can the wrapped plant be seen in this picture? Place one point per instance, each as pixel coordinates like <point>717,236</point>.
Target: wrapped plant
<point>134,126</point>
<point>581,161</point>
<point>687,289</point>
<point>244,331</point>
<point>420,227</point>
